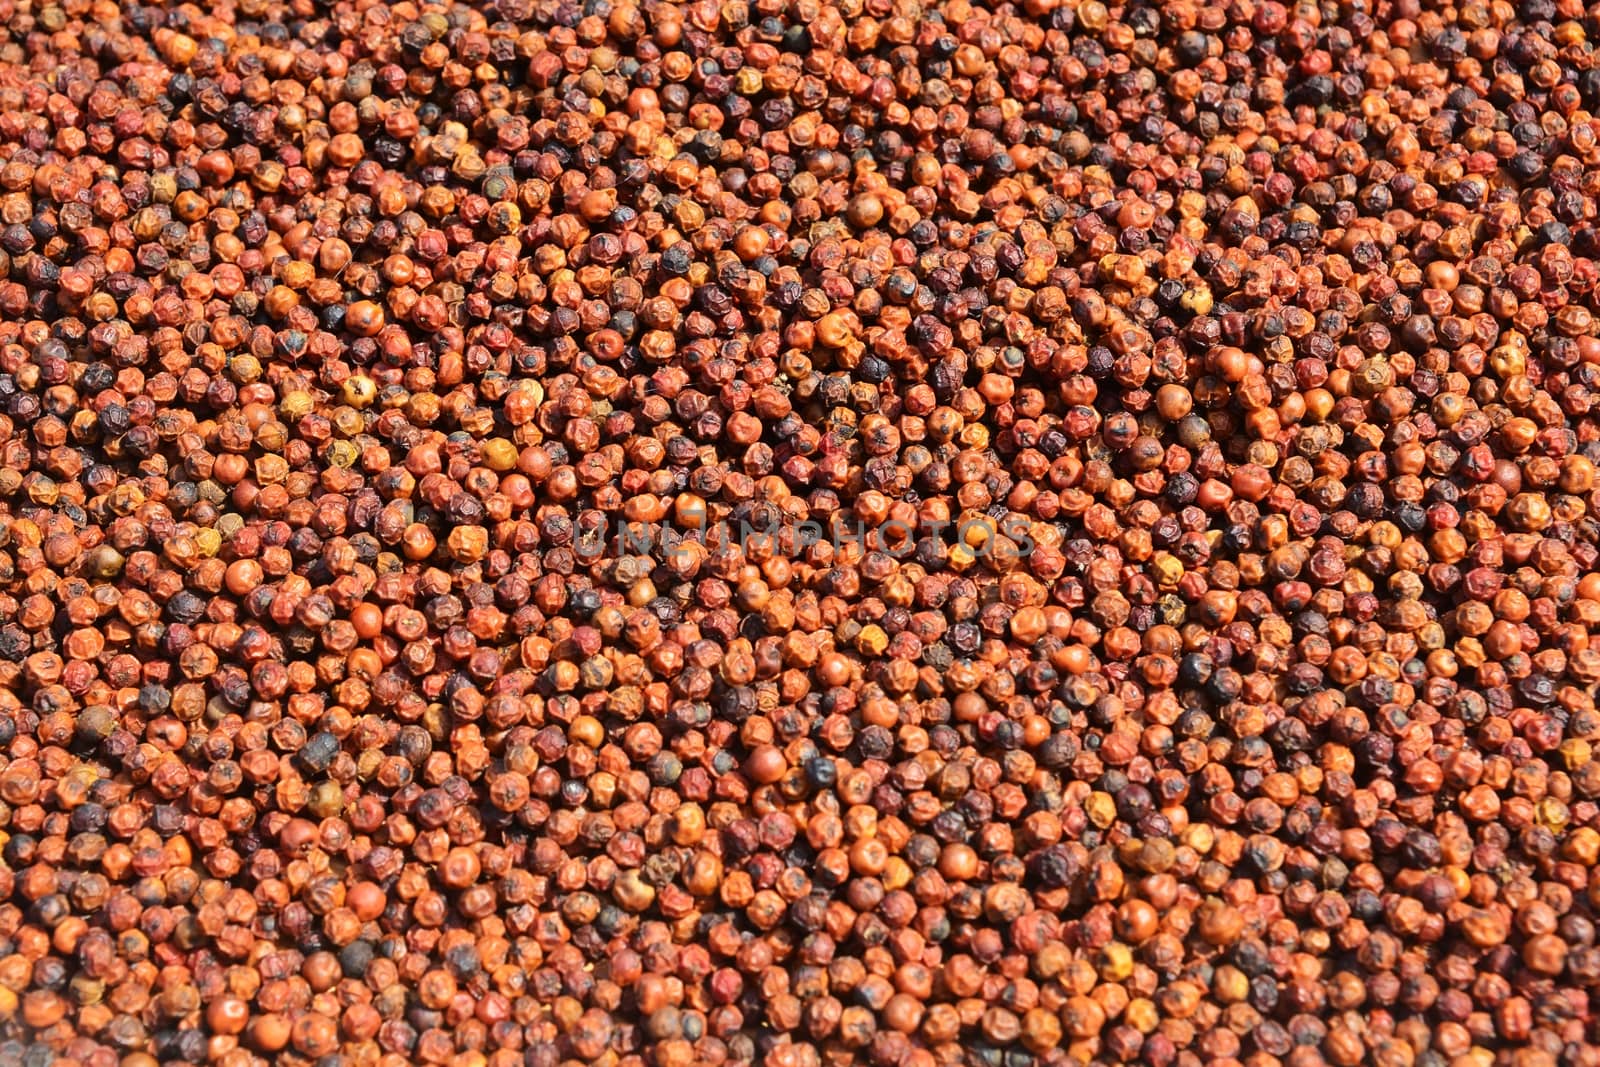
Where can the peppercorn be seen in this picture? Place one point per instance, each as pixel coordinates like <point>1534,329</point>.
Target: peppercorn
<point>806,535</point>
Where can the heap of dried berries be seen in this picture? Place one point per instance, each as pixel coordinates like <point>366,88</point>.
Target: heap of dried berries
<point>1205,672</point>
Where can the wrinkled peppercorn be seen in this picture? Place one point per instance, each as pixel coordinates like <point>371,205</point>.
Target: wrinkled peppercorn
<point>805,534</point>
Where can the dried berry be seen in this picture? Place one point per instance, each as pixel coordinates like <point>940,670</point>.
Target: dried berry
<point>807,533</point>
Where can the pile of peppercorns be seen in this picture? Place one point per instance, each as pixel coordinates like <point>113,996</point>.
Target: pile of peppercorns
<point>799,533</point>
